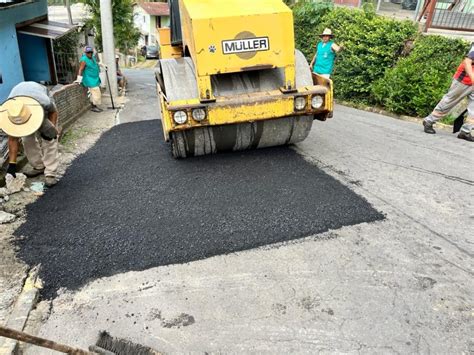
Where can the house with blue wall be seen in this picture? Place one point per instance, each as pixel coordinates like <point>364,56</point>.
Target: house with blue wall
<point>26,50</point>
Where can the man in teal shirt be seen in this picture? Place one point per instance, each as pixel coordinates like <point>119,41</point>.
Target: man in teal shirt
<point>323,61</point>
<point>89,77</point>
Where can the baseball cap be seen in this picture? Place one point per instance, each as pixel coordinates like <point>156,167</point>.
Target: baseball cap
<point>88,49</point>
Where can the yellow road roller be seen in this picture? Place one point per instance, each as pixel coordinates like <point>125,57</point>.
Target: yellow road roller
<point>229,78</point>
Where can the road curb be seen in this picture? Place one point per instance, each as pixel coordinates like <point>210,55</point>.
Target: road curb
<point>25,302</point>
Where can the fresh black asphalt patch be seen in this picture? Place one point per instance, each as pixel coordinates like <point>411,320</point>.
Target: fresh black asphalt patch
<point>127,205</point>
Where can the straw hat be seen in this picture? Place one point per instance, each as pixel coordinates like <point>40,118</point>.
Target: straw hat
<point>21,116</point>
<point>327,32</point>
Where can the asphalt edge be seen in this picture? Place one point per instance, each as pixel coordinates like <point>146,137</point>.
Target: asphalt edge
<point>24,304</point>
<point>28,297</point>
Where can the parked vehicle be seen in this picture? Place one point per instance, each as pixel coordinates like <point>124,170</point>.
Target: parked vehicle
<point>151,52</point>
<point>409,4</point>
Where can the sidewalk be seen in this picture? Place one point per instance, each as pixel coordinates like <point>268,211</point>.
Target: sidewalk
<point>147,64</point>
<point>467,36</point>
<point>13,272</point>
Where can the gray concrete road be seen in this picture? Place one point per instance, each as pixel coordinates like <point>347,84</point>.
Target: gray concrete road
<point>398,286</point>
<point>141,96</point>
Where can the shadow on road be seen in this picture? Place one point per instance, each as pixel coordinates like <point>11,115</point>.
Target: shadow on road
<point>127,205</point>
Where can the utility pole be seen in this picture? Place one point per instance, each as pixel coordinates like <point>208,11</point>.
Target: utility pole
<point>108,44</point>
<point>378,5</point>
<point>68,7</point>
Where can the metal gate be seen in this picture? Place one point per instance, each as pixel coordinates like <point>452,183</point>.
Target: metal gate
<point>67,66</point>
<point>450,15</point>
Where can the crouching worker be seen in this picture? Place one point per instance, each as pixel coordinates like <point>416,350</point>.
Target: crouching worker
<point>121,80</point>
<point>30,114</point>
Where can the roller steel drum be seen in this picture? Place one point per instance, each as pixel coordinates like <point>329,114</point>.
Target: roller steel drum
<point>180,84</point>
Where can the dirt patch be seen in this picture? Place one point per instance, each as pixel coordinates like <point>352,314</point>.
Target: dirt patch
<point>181,320</point>
<point>309,303</point>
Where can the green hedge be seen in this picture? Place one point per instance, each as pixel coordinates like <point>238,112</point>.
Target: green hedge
<point>370,69</point>
<point>308,17</point>
<point>371,45</point>
<point>418,81</point>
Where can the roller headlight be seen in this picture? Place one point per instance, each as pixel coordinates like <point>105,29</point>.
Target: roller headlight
<point>300,103</point>
<point>199,114</point>
<point>180,117</point>
<point>317,101</point>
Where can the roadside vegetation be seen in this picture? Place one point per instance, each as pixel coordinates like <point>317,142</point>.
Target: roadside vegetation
<point>385,62</point>
<point>71,136</point>
<point>126,35</point>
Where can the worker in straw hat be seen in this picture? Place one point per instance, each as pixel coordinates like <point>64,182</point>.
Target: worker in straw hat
<point>30,114</point>
<point>323,60</point>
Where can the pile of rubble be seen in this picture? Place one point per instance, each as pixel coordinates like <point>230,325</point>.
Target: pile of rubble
<point>14,185</point>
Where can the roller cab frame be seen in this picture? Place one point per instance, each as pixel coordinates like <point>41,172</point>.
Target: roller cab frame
<point>220,41</point>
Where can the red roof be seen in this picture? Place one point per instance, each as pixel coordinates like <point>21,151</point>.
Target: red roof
<point>155,8</point>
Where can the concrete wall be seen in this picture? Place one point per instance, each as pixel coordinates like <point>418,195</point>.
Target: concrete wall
<point>72,102</point>
<point>10,61</point>
<point>141,21</point>
<point>151,30</point>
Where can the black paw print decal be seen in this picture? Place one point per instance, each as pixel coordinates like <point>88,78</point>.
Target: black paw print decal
<point>212,48</point>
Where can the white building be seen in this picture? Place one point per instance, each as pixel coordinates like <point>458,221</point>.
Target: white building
<point>148,17</point>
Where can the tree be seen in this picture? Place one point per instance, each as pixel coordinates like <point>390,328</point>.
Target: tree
<point>125,34</point>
